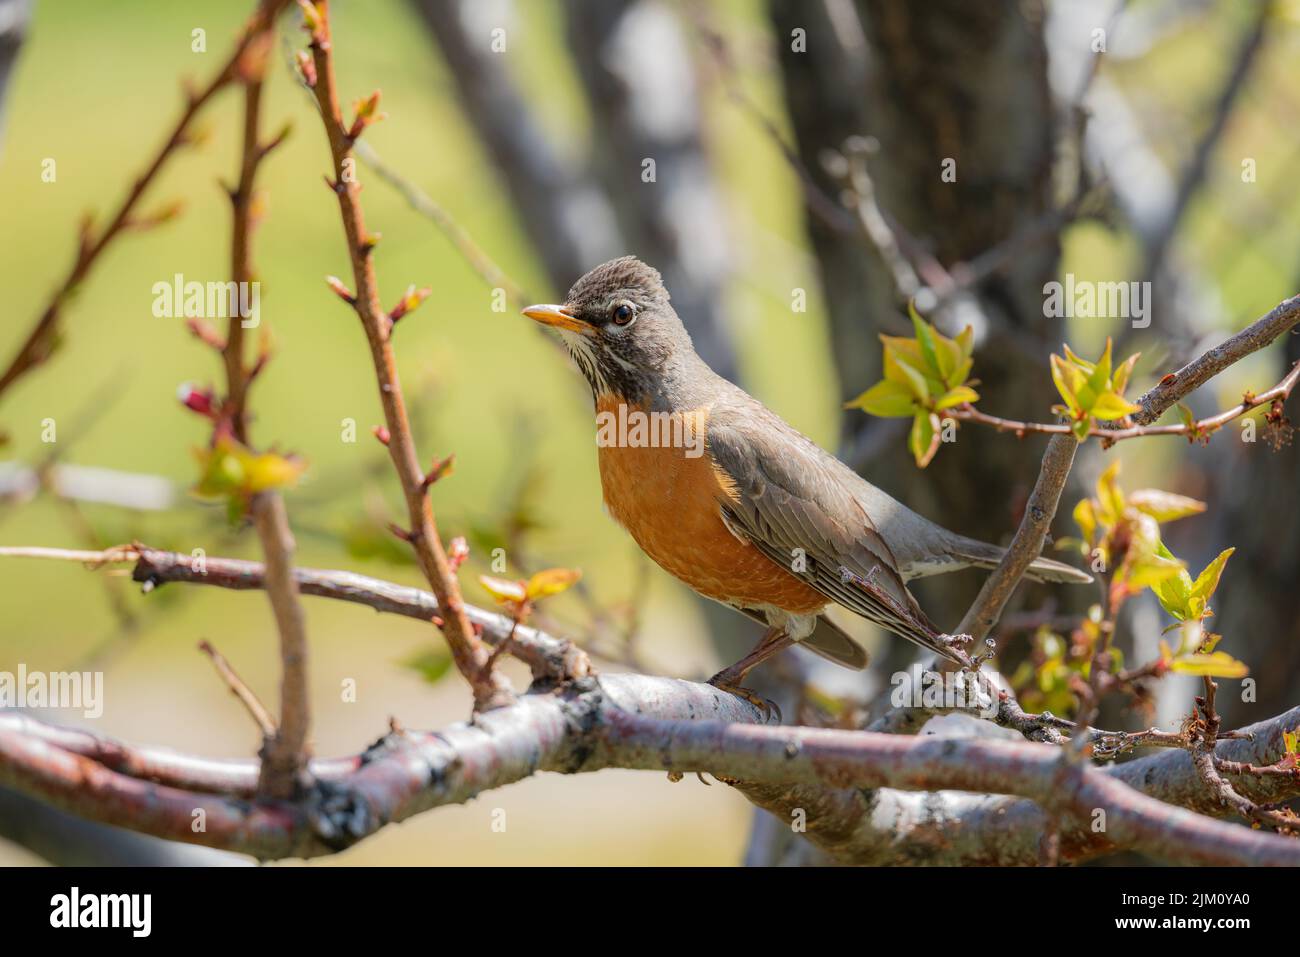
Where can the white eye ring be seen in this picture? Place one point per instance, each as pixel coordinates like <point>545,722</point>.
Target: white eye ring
<point>623,314</point>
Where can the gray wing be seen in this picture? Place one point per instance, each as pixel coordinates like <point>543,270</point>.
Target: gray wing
<point>790,495</point>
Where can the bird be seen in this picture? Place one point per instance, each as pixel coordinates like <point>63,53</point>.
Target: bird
<point>733,501</point>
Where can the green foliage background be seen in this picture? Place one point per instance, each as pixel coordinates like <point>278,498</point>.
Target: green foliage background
<point>95,88</point>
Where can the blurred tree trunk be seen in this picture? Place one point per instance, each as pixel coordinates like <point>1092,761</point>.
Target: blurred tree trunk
<point>65,840</point>
<point>825,103</point>
<point>1251,495</point>
<point>633,61</point>
<point>942,81</point>
<point>13,23</point>
<point>579,211</point>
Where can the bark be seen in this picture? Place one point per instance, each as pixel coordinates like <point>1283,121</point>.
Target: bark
<point>632,721</point>
<point>940,81</point>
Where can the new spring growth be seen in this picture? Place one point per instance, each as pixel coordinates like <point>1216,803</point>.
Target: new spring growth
<point>342,291</point>
<point>520,596</point>
<point>457,552</point>
<point>440,469</point>
<point>306,68</point>
<point>409,302</point>
<point>202,401</point>
<point>312,21</point>
<point>923,377</point>
<point>367,112</point>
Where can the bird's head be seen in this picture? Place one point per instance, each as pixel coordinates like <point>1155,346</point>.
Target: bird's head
<point>620,328</point>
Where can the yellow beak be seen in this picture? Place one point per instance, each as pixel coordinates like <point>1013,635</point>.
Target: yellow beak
<point>559,316</point>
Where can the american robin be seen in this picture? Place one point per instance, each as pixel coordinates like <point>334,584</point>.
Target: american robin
<point>729,498</point>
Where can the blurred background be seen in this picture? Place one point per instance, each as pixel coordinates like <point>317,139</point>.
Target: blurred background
<point>1167,159</point>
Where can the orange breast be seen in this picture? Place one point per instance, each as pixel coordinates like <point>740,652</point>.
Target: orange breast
<point>660,484</point>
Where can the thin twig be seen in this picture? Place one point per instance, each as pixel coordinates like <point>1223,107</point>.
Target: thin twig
<point>41,340</point>
<point>471,658</point>
<point>1057,460</point>
<point>549,657</point>
<point>1201,427</point>
<point>255,708</point>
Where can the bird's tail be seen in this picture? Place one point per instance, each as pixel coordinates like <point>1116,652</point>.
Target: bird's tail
<point>835,644</point>
<point>983,555</point>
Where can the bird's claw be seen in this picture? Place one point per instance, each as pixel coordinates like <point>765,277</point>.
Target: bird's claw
<point>768,709</point>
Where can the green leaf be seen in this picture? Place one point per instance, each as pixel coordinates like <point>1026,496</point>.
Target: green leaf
<point>551,581</point>
<point>956,396</point>
<point>1119,381</point>
<point>899,369</point>
<point>1208,580</point>
<point>1218,664</point>
<point>1099,378</point>
<point>1164,506</point>
<point>432,662</point>
<point>270,470</point>
<point>1067,380</point>
<point>504,589</point>
<point>966,341</point>
<point>923,441</point>
<point>886,399</point>
<point>1175,595</point>
<point>230,469</point>
<point>1110,406</point>
<point>1075,360</point>
<point>1109,496</point>
<point>925,337</point>
<point>1153,572</point>
<point>1086,518</point>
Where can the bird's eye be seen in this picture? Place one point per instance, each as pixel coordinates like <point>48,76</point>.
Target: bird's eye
<point>622,314</point>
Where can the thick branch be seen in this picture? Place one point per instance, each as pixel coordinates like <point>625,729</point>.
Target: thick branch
<point>286,753</point>
<point>619,721</point>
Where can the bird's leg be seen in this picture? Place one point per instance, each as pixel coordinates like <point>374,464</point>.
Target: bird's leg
<point>729,679</point>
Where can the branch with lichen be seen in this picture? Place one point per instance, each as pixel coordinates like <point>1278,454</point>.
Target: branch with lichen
<point>631,721</point>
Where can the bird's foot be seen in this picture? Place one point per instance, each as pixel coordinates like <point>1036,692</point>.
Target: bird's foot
<point>725,682</point>
<point>955,644</point>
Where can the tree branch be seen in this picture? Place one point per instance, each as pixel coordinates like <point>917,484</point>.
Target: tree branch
<point>41,340</point>
<point>489,688</point>
<point>285,754</point>
<point>1057,460</point>
<point>627,721</point>
<point>252,704</point>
